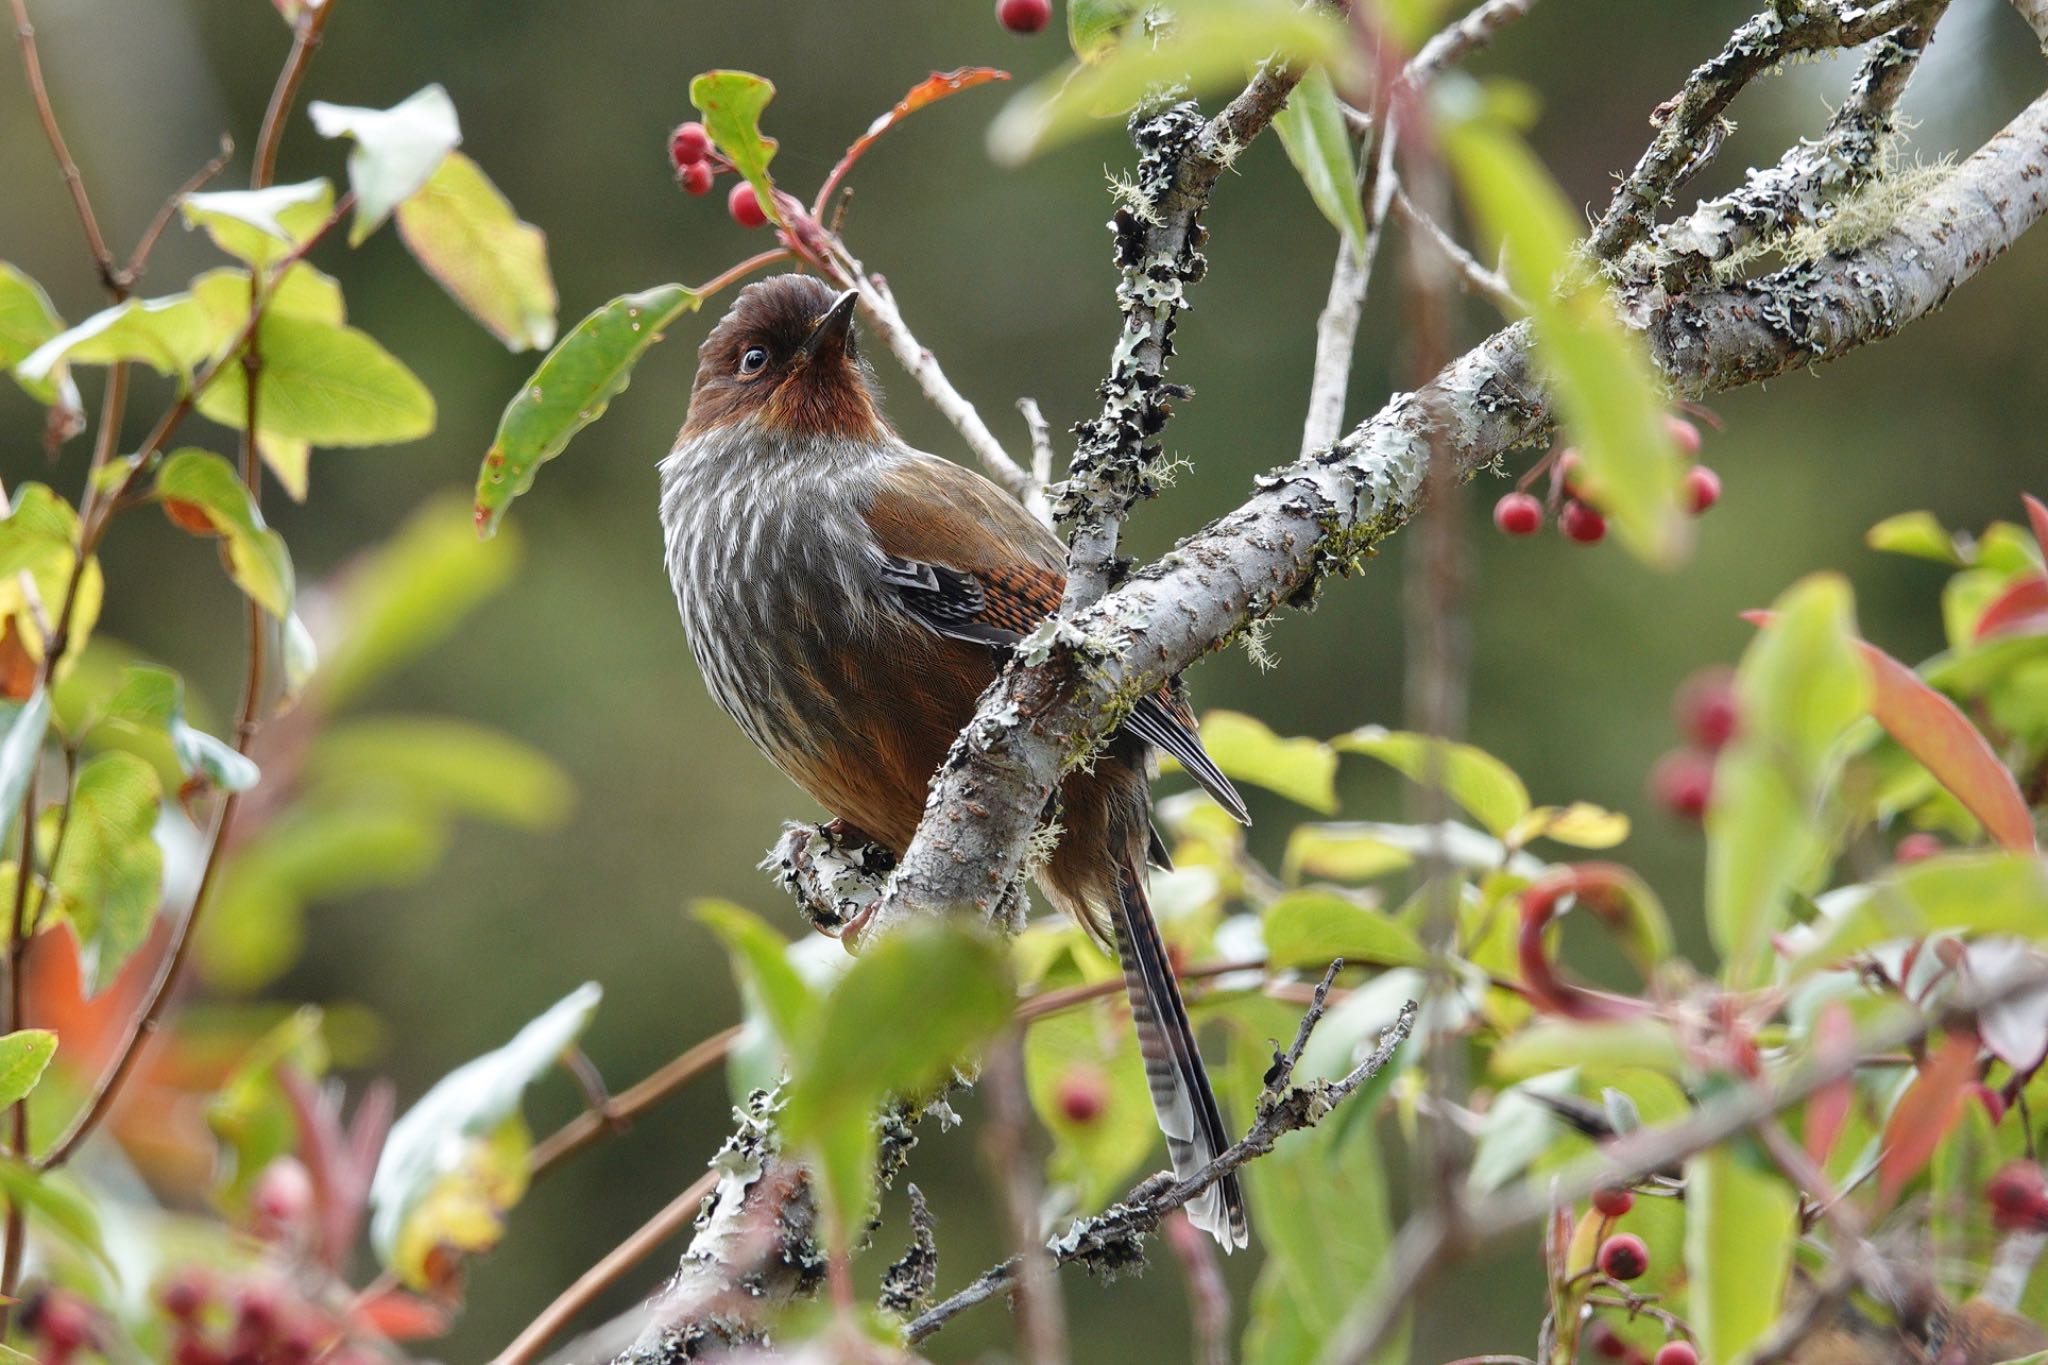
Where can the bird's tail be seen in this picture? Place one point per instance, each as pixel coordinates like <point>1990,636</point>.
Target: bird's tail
<point>1173,1065</point>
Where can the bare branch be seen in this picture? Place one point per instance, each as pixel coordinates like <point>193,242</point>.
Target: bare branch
<point>1464,37</point>
<point>1490,285</point>
<point>2035,12</point>
<point>1337,326</point>
<point>74,181</point>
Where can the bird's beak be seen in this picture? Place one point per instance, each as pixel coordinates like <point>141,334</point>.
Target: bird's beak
<point>829,337</point>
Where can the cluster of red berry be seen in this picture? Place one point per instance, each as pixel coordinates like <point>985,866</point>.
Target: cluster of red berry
<point>1623,1256</point>
<point>1023,16</point>
<point>2018,1196</point>
<point>698,164</point>
<point>1521,512</point>
<point>1682,781</point>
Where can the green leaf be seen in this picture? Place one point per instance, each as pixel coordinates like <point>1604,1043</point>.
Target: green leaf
<point>1095,1050</point>
<point>57,1202</point>
<point>1094,26</point>
<point>23,1055</point>
<point>197,484</point>
<point>1475,779</point>
<point>1339,853</point>
<point>1606,388</point>
<point>459,1129</point>
<point>152,701</point>
<point>1968,893</point>
<point>37,541</point>
<point>856,1052</point>
<point>731,103</point>
<point>110,869</point>
<point>1516,1131</point>
<point>409,594</point>
<point>571,389</point>
<point>21,749</point>
<point>1318,142</point>
<point>760,962</point>
<point>324,383</point>
<point>1741,1225</point>
<point>446,763</point>
<point>260,227</point>
<point>27,320</point>
<point>1310,928</point>
<point>1207,46</point>
<point>462,230</point>
<point>1550,1044</point>
<point>170,335</point>
<point>1581,825</point>
<point>251,1115</point>
<point>1302,770</point>
<point>1799,688</point>
<point>397,150</point>
<point>301,292</point>
<point>1917,534</point>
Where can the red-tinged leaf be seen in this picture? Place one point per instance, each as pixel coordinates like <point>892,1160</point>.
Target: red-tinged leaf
<point>399,1316</point>
<point>2037,515</point>
<point>1827,1113</point>
<point>2021,607</point>
<point>188,517</point>
<point>1925,1113</point>
<point>930,90</point>
<point>1930,727</point>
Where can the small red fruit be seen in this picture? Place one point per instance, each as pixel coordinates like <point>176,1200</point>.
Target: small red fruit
<point>1023,16</point>
<point>697,177</point>
<point>1624,1257</point>
<point>745,206</point>
<point>1705,708</point>
<point>1580,522</point>
<point>2018,1195</point>
<point>1083,1094</point>
<point>282,1198</point>
<point>1518,514</point>
<point>1702,488</point>
<point>62,1322</point>
<point>185,1295</point>
<point>688,145</point>
<point>1676,1353</point>
<point>1613,1201</point>
<point>1915,847</point>
<point>1605,1342</point>
<point>1684,434</point>
<point>1683,783</point>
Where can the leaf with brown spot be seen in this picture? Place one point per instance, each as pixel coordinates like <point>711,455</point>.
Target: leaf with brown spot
<point>1925,1113</point>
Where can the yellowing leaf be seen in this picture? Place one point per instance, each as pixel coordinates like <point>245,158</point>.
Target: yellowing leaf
<point>1302,770</point>
<point>1470,776</point>
<point>1339,853</point>
<point>1311,928</point>
<point>202,484</point>
<point>462,229</point>
<point>1581,825</point>
<point>259,227</point>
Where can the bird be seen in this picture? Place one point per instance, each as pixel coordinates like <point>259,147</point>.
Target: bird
<point>848,598</point>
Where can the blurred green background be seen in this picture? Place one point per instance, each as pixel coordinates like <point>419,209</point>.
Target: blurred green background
<point>1005,275</point>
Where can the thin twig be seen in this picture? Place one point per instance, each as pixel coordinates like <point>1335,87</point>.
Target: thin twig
<point>1112,1236</point>
<point>306,32</point>
<point>138,260</point>
<point>622,1108</point>
<point>95,240</point>
<point>1490,285</point>
<point>643,1241</point>
<point>1350,278</point>
<point>1041,457</point>
<point>1451,45</point>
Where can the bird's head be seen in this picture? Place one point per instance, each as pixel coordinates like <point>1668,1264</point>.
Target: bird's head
<point>784,356</point>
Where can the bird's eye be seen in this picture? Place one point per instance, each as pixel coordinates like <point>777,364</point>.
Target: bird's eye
<point>752,362</point>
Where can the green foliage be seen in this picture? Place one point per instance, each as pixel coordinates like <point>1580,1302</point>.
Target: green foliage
<point>571,389</point>
<point>260,227</point>
<point>1311,127</point>
<point>200,488</point>
<point>462,229</point>
<point>57,1203</point>
<point>170,335</point>
<point>109,868</point>
<point>396,150</point>
<point>1313,928</point>
<point>24,1054</point>
<point>323,383</point>
<point>731,103</point>
<point>21,746</point>
<point>1207,44</point>
<point>27,320</point>
<point>1302,770</point>
<point>150,703</point>
<point>1486,787</point>
<point>1100,1142</point>
<point>456,1161</point>
<point>1600,373</point>
<point>1742,1220</point>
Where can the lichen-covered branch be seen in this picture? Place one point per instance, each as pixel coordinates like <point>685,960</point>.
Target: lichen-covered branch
<point>1810,180</point>
<point>1689,125</point>
<point>1113,1240</point>
<point>1159,234</point>
<point>1328,510</point>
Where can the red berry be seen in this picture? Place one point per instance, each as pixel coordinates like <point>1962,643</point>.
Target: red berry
<point>2018,1195</point>
<point>1684,434</point>
<point>257,1311</point>
<point>1613,1201</point>
<point>1023,16</point>
<point>1676,1353</point>
<point>1580,522</point>
<point>1624,1257</point>
<point>62,1321</point>
<point>185,1295</point>
<point>282,1198</point>
<point>697,177</point>
<point>1605,1342</point>
<point>1683,783</point>
<point>1705,707</point>
<point>1083,1094</point>
<point>1915,847</point>
<point>688,145</point>
<point>1518,514</point>
<point>197,1351</point>
<point>745,206</point>
<point>1702,488</point>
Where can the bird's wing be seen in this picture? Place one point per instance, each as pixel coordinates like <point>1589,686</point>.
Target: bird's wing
<point>969,562</point>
